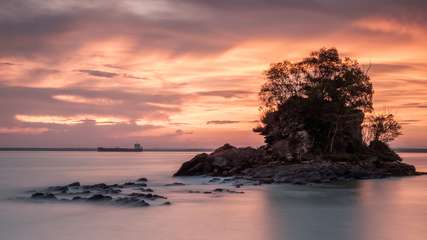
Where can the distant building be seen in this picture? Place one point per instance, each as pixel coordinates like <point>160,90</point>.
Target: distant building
<point>137,146</point>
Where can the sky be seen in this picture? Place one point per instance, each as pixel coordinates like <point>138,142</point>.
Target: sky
<point>168,73</point>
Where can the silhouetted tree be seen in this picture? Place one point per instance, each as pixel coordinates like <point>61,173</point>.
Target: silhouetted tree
<point>316,94</point>
<point>382,127</point>
<point>323,76</point>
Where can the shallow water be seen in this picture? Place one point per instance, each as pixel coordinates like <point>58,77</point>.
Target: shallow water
<point>394,208</point>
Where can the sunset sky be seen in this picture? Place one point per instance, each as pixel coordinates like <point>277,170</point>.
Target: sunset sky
<point>186,73</point>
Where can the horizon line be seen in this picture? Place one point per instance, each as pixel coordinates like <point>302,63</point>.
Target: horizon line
<point>156,149</point>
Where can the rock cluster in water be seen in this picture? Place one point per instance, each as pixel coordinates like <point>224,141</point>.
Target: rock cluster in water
<point>135,194</point>
<point>272,164</point>
<point>131,194</point>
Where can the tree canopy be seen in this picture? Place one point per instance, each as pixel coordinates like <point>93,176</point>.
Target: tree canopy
<point>323,76</point>
<point>324,94</point>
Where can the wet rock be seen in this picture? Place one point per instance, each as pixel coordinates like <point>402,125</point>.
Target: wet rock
<point>140,184</point>
<point>226,190</point>
<point>62,189</point>
<point>96,186</point>
<point>132,201</point>
<point>199,165</point>
<point>146,190</point>
<point>149,196</point>
<point>142,179</point>
<point>219,190</point>
<point>43,196</point>
<point>194,191</point>
<point>215,179</point>
<point>224,161</point>
<point>229,179</point>
<point>99,198</point>
<point>281,163</point>
<point>102,193</point>
<point>111,191</point>
<point>74,184</point>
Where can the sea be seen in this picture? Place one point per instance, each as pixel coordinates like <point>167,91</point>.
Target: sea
<point>383,209</point>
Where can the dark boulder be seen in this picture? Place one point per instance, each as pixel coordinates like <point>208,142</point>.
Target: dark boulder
<point>142,179</point>
<point>199,165</point>
<point>224,161</point>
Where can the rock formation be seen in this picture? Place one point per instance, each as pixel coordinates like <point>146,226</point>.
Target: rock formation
<point>274,164</point>
<point>312,126</point>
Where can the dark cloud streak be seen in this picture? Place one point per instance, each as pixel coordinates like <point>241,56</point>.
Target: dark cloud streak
<point>43,32</point>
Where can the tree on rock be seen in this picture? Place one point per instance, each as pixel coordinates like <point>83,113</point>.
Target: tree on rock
<point>323,95</point>
<point>382,127</point>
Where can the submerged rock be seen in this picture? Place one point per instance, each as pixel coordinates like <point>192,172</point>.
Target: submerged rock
<point>149,196</point>
<point>96,186</point>
<point>174,184</point>
<point>142,179</point>
<point>99,197</point>
<point>128,194</point>
<point>43,196</point>
<point>132,201</point>
<point>146,190</point>
<point>77,198</point>
<point>140,185</point>
<point>226,190</point>
<point>74,184</point>
<point>63,189</point>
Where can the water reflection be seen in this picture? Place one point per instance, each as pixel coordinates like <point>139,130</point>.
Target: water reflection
<point>302,212</point>
<point>372,209</point>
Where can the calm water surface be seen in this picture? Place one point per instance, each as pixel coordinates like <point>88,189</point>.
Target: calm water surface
<point>371,209</point>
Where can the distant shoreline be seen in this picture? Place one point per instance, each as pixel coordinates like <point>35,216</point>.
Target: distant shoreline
<point>82,149</point>
<point>88,149</point>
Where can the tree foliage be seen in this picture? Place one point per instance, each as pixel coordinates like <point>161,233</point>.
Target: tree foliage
<point>317,94</point>
<point>323,76</point>
<point>382,127</point>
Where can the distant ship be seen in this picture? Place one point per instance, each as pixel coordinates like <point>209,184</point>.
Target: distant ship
<point>136,148</point>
